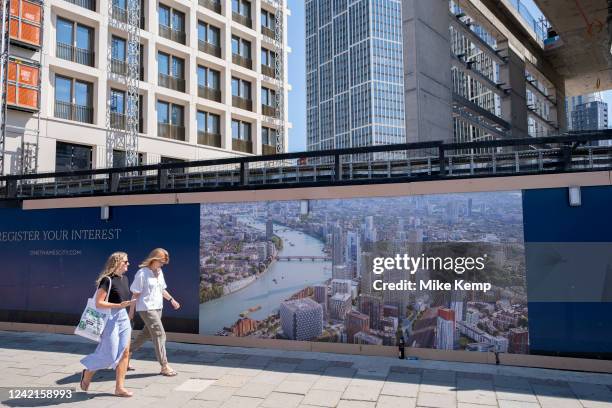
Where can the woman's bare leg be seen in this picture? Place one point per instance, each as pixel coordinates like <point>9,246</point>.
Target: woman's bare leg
<point>121,370</point>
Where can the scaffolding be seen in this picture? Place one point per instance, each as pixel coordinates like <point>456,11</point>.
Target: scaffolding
<point>125,137</point>
<point>11,63</point>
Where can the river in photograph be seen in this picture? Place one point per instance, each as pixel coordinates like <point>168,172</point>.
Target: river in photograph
<point>279,282</point>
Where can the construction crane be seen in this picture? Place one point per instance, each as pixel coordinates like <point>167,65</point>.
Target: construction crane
<point>125,137</point>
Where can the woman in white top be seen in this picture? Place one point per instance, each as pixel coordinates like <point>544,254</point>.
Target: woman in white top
<point>149,290</point>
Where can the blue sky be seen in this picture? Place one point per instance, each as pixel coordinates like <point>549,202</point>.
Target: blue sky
<point>297,75</point>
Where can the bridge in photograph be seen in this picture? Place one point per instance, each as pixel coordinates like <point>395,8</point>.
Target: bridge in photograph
<point>303,258</point>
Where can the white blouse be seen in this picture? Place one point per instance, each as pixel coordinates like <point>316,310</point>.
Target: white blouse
<point>151,289</point>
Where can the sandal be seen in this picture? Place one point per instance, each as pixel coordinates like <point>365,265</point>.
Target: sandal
<point>82,379</point>
<point>168,373</point>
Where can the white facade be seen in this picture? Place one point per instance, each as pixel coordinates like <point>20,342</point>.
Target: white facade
<point>151,147</point>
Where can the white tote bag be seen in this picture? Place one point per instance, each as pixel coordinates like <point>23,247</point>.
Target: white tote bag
<point>93,320</point>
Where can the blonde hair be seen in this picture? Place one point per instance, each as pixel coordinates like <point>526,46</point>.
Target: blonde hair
<point>158,254</point>
<point>112,264</point>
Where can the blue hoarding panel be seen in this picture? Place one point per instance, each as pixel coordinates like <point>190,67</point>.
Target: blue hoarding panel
<point>52,258</point>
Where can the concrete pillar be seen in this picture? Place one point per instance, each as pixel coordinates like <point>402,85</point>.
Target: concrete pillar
<point>514,103</point>
<point>226,80</point>
<point>427,70</point>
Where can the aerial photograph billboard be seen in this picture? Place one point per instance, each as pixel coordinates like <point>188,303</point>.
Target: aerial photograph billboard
<point>441,271</point>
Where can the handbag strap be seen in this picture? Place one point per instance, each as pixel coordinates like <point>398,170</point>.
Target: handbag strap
<point>110,285</point>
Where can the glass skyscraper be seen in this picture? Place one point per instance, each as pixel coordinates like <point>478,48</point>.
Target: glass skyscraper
<point>354,73</point>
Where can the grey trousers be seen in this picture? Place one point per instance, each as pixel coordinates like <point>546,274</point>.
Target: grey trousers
<point>153,330</point>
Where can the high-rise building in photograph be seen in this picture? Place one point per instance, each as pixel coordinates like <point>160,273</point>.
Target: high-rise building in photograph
<point>445,329</point>
<point>354,74</point>
<point>356,322</point>
<point>301,319</point>
<point>103,83</point>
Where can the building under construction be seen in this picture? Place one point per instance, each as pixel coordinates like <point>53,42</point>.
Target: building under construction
<point>102,83</point>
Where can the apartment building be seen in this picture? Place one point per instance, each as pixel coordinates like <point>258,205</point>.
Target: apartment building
<point>207,83</point>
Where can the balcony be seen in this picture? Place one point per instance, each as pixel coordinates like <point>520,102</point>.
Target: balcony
<point>168,81</point>
<point>214,5</point>
<point>268,149</point>
<point>268,110</point>
<point>268,71</point>
<point>71,111</point>
<point>74,54</point>
<point>268,32</point>
<point>239,18</point>
<point>209,139</point>
<point>242,61</point>
<point>118,120</point>
<point>242,103</point>
<point>209,48</point>
<point>209,93</point>
<point>244,146</point>
<point>119,67</point>
<point>171,34</point>
<point>86,4</point>
<point>121,15</point>
<point>169,131</point>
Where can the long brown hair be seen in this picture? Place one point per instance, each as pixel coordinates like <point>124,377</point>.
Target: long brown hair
<point>112,264</point>
<point>158,254</point>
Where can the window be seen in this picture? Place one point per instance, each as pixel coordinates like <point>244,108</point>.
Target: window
<point>267,96</point>
<point>118,48</point>
<point>268,136</point>
<point>241,47</point>
<point>71,157</point>
<point>73,99</point>
<point>267,19</point>
<point>209,123</point>
<point>165,160</point>
<point>241,88</point>
<point>119,159</point>
<point>170,120</point>
<point>241,7</point>
<point>172,24</point>
<point>267,57</point>
<point>170,114</point>
<point>75,42</point>
<point>209,78</point>
<point>170,65</point>
<point>208,33</point>
<point>241,130</point>
<point>117,101</point>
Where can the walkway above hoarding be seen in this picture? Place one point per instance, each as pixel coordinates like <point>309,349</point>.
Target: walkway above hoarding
<point>405,163</point>
<point>215,376</point>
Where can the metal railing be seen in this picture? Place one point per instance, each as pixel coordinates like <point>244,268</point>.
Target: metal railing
<point>268,149</point>
<point>119,14</point>
<point>268,110</point>
<point>209,48</point>
<point>244,20</point>
<point>429,161</point>
<point>209,139</point>
<point>71,111</point>
<point>86,4</point>
<point>238,102</point>
<point>268,32</point>
<point>244,146</point>
<point>172,34</point>
<point>268,71</point>
<point>117,120</point>
<point>172,82</point>
<point>214,5</point>
<point>71,53</point>
<point>169,131</point>
<point>119,67</point>
<point>209,93</point>
<point>242,61</point>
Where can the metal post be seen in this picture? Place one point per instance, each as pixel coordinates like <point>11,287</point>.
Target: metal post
<point>337,168</point>
<point>441,160</point>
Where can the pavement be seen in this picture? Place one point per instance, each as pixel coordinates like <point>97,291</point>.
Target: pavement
<point>234,377</point>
